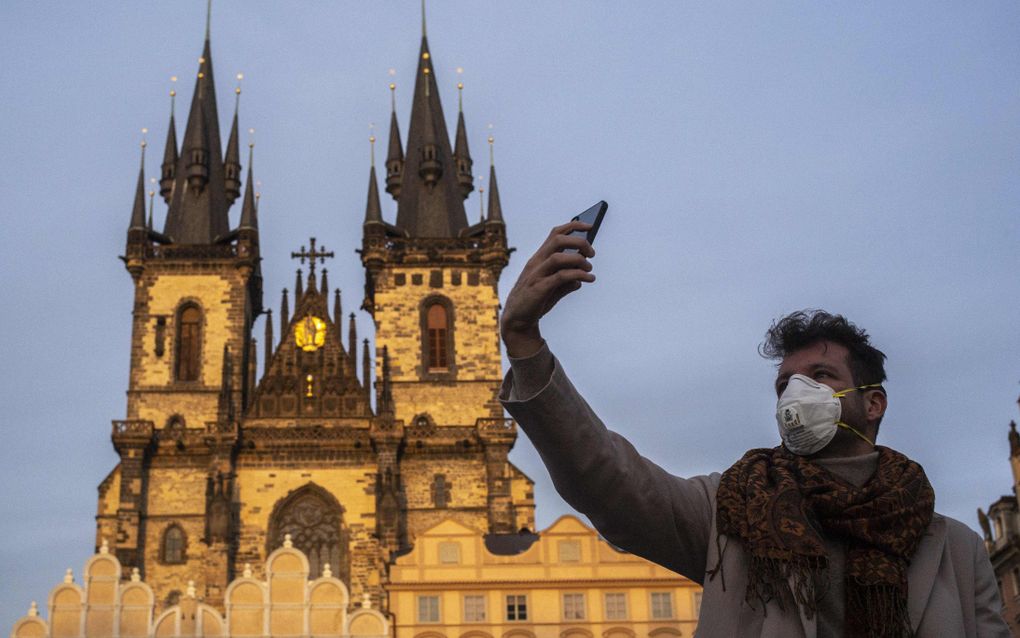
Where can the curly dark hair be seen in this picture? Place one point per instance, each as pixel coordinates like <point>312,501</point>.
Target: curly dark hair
<point>803,328</point>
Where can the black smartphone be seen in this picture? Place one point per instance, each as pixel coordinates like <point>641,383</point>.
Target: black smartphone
<point>592,216</point>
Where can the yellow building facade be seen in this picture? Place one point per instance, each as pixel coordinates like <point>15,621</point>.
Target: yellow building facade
<point>341,488</point>
<point>565,582</point>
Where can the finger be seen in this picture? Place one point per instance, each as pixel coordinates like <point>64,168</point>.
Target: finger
<point>559,243</point>
<point>562,261</point>
<point>569,227</point>
<point>546,285</point>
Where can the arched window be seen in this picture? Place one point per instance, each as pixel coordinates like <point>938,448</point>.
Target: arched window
<point>437,356</point>
<point>437,336</point>
<point>173,545</point>
<point>189,343</point>
<point>313,519</point>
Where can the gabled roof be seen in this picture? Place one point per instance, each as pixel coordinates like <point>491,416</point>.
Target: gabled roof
<point>335,389</point>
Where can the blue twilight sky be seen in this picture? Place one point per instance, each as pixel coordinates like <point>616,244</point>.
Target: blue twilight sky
<point>757,158</point>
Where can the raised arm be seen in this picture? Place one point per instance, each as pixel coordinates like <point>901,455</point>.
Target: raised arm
<point>633,502</point>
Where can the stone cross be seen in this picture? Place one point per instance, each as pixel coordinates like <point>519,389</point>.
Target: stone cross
<point>311,255</point>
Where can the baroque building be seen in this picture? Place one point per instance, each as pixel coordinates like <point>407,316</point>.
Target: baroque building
<point>350,489</point>
<point>1001,528</point>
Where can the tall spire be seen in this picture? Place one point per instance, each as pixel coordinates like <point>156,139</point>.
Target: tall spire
<point>395,155</point>
<point>169,168</point>
<point>269,339</point>
<point>284,313</point>
<point>338,311</point>
<point>366,369</point>
<point>138,211</point>
<point>249,214</point>
<point>208,19</point>
<point>198,205</point>
<point>232,161</point>
<point>460,150</point>
<point>353,339</point>
<point>373,211</point>
<point>495,210</point>
<point>152,197</point>
<point>430,202</point>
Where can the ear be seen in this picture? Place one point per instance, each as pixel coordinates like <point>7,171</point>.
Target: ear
<point>875,403</point>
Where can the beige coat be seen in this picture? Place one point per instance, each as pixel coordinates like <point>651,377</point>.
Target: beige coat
<point>670,520</point>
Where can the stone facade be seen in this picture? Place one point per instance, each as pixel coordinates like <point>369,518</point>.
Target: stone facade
<point>1001,527</point>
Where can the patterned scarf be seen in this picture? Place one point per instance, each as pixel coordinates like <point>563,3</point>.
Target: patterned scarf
<point>781,505</point>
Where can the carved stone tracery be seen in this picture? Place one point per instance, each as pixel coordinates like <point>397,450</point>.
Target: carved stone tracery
<point>314,520</point>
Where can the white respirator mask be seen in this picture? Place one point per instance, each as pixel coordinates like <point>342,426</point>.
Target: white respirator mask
<point>808,414</point>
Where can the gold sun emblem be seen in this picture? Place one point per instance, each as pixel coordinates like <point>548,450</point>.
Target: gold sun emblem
<point>310,333</point>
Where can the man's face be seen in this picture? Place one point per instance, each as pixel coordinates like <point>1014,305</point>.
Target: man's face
<point>829,363</point>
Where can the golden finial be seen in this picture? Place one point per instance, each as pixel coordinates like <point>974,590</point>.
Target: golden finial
<point>152,196</point>
<point>145,132</point>
<point>393,90</point>
<point>481,191</point>
<point>371,141</point>
<point>251,146</point>
<point>173,93</point>
<point>237,92</point>
<point>492,141</point>
<point>460,89</point>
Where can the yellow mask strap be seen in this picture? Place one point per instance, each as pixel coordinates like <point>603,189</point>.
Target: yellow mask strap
<point>843,393</point>
<point>847,426</point>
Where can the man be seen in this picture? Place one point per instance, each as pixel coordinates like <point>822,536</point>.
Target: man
<point>825,535</point>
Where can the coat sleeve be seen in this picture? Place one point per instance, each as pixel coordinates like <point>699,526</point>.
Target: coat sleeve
<point>988,618</point>
<point>633,502</point>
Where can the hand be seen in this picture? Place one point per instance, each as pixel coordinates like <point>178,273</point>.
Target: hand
<point>548,276</point>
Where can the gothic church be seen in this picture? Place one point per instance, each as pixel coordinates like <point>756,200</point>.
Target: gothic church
<point>351,490</point>
<point>217,465</point>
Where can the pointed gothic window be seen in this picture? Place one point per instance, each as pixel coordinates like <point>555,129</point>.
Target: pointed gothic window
<point>189,343</point>
<point>437,336</point>
<point>314,521</point>
<point>173,545</point>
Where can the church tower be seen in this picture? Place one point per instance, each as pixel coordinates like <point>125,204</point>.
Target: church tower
<point>219,468</point>
<point>431,286</point>
<point>197,291</point>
